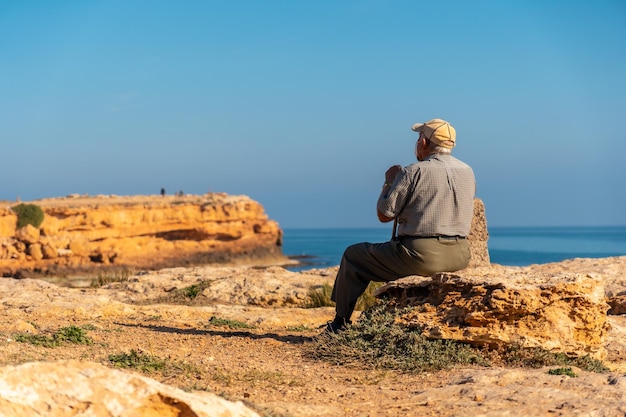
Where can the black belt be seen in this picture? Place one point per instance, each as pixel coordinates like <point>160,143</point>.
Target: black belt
<point>434,237</point>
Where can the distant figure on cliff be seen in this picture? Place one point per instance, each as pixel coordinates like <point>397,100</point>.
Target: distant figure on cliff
<point>431,203</point>
<point>163,192</point>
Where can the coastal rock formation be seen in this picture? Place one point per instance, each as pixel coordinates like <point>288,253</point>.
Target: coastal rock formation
<point>564,312</point>
<point>81,234</point>
<point>74,388</point>
<point>239,293</point>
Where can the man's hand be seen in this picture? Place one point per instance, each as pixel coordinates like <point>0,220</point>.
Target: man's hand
<point>391,173</point>
<point>383,218</point>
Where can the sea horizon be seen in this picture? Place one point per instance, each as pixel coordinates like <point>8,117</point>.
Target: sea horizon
<point>507,245</point>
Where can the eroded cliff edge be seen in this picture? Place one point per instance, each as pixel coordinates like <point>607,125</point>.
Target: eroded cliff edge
<point>83,235</point>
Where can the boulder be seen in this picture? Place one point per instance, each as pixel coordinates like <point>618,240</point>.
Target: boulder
<point>73,388</point>
<point>35,251</point>
<point>563,312</point>
<point>49,251</point>
<point>8,222</point>
<point>479,236</point>
<point>19,246</point>
<point>7,249</point>
<point>28,234</point>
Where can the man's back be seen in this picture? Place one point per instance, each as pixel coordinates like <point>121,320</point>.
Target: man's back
<point>433,197</point>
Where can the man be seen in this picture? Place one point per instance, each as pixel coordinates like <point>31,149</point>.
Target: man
<point>431,203</point>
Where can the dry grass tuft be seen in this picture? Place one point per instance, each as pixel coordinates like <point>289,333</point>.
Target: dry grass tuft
<point>376,341</point>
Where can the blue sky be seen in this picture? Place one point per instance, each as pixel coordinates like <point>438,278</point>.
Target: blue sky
<point>303,105</point>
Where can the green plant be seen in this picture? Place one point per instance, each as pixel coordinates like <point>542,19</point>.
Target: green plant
<point>537,358</point>
<point>191,291</point>
<point>137,360</point>
<point>28,214</point>
<point>232,324</point>
<point>71,334</point>
<point>377,341</point>
<point>319,296</point>
<point>562,371</point>
<point>190,295</point>
<point>222,376</point>
<point>367,299</point>
<point>36,339</point>
<point>299,328</point>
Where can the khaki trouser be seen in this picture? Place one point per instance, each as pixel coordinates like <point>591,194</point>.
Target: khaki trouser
<point>384,262</point>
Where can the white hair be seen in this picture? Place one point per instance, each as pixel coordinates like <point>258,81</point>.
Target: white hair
<point>434,148</point>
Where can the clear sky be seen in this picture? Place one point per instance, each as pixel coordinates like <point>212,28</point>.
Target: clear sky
<point>303,105</point>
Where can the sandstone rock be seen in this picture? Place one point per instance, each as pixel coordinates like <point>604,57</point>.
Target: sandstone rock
<point>35,252</point>
<point>267,287</point>
<point>7,249</point>
<point>64,252</point>
<point>49,251</point>
<point>28,234</point>
<point>150,232</point>
<point>611,271</point>
<point>488,306</point>
<point>19,246</point>
<point>79,247</point>
<point>73,388</point>
<point>20,326</point>
<point>479,236</point>
<point>146,294</point>
<point>8,222</point>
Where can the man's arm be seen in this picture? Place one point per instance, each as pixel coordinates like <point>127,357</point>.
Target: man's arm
<point>390,177</point>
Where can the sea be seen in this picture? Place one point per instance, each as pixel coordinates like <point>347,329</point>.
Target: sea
<point>510,246</point>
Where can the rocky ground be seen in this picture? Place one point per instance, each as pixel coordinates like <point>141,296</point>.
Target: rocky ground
<point>245,337</point>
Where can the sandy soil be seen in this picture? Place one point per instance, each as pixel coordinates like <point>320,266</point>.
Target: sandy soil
<point>268,370</point>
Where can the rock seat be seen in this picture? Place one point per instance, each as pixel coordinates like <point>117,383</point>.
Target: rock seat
<point>565,312</point>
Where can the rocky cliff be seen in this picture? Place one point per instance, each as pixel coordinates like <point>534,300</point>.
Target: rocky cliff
<point>84,235</point>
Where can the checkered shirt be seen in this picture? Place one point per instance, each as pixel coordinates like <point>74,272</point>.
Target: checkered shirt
<point>434,197</point>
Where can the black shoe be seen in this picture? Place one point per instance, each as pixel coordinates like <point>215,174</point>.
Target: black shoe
<point>336,326</point>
